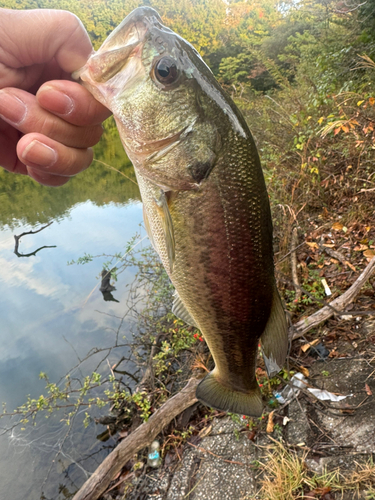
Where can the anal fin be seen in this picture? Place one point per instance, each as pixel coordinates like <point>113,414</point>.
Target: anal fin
<point>274,339</point>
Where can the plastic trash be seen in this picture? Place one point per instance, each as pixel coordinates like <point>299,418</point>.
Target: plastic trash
<point>299,381</point>
<point>153,457</point>
<point>296,382</point>
<point>324,395</point>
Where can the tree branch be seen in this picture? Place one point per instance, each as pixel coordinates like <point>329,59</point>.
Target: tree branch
<point>140,438</point>
<point>304,325</point>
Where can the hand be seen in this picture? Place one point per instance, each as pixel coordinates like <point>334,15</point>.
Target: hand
<point>48,123</point>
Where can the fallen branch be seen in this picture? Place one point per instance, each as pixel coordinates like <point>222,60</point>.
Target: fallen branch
<point>140,438</point>
<point>304,325</point>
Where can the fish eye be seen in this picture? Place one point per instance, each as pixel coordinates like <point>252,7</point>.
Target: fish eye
<point>166,71</point>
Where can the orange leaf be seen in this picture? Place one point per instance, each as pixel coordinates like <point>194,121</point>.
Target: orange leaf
<point>371,101</point>
<point>368,390</point>
<point>337,226</point>
<point>345,128</point>
<point>312,244</point>
<point>337,130</point>
<point>270,423</point>
<point>369,254</point>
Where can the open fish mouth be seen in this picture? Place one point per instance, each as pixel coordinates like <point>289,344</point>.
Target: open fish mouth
<point>121,53</point>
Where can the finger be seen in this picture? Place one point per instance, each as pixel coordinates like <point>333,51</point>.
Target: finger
<point>8,143</point>
<point>47,34</point>
<point>50,158</point>
<point>72,102</point>
<point>21,110</point>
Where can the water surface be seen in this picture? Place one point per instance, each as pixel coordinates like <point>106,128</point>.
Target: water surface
<point>52,314</point>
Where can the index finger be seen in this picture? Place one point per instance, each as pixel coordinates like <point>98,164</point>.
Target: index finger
<point>72,102</point>
<point>47,34</point>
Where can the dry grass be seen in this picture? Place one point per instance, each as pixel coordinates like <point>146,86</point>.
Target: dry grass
<point>286,477</point>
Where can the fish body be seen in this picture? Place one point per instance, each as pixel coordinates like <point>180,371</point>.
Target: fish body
<point>206,207</point>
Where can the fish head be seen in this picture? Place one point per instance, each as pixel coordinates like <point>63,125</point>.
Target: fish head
<point>168,107</point>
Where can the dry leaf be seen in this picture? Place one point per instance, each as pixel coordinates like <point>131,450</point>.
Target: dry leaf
<point>304,370</point>
<point>205,431</point>
<point>368,390</point>
<point>305,347</point>
<point>337,226</point>
<point>369,254</point>
<point>270,424</point>
<point>350,265</point>
<point>360,248</point>
<point>312,244</point>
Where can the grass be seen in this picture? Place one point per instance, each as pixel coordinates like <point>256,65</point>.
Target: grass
<point>286,477</point>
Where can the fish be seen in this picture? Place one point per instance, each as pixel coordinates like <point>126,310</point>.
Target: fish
<point>205,204</point>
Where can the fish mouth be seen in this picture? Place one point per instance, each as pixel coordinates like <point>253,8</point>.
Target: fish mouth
<point>124,44</point>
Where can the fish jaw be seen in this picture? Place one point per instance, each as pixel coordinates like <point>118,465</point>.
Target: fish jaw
<point>117,64</point>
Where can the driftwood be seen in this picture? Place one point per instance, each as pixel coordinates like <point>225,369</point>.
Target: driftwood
<point>304,325</point>
<point>141,437</point>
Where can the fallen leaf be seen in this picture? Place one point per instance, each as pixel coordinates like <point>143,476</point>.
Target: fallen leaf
<point>252,435</point>
<point>270,424</point>
<point>368,390</point>
<point>337,226</point>
<point>369,254</point>
<point>305,347</point>
<point>360,248</point>
<point>304,370</point>
<point>350,265</point>
<point>312,244</point>
<point>205,431</point>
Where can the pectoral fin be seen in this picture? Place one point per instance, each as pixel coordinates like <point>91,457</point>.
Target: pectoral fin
<point>274,339</point>
<point>148,228</point>
<point>179,310</point>
<point>167,226</point>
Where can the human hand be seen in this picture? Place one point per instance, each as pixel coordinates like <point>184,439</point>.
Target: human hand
<point>48,123</point>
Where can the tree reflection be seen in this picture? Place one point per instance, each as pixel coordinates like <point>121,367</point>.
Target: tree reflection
<point>17,242</point>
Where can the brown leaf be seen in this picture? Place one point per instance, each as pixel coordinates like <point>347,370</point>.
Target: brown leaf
<point>337,226</point>
<point>270,423</point>
<point>307,346</point>
<point>312,244</point>
<point>369,254</point>
<point>368,390</point>
<point>304,370</point>
<point>252,435</point>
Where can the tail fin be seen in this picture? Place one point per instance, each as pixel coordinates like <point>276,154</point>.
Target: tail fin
<point>212,393</point>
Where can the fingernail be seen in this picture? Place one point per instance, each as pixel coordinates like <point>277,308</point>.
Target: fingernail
<point>55,101</point>
<point>12,109</point>
<point>38,153</point>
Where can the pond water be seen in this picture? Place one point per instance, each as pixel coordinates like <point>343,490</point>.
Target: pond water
<point>52,313</point>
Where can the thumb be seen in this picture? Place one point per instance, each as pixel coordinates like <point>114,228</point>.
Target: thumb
<point>29,37</point>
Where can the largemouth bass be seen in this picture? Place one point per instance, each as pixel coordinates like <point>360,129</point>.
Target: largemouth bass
<point>206,207</point>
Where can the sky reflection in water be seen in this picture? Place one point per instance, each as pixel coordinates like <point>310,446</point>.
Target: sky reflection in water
<point>46,308</point>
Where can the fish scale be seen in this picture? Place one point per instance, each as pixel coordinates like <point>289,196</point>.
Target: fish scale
<point>206,207</point>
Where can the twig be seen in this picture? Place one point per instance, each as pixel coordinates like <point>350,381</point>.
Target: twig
<point>293,262</point>
<point>304,325</point>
